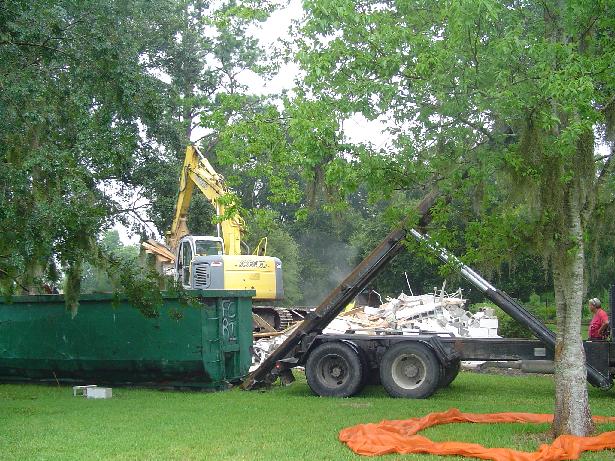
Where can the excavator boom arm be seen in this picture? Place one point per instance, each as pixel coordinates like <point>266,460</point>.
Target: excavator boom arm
<point>197,171</point>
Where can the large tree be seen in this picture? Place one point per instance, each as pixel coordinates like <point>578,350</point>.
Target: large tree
<point>203,62</point>
<point>500,103</point>
<point>98,101</point>
<point>76,90</point>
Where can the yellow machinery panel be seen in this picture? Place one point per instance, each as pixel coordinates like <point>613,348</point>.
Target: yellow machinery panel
<point>239,272</point>
<point>260,273</point>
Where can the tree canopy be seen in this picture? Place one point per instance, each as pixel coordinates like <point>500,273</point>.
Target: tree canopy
<point>76,92</point>
<point>499,103</point>
<point>97,98</point>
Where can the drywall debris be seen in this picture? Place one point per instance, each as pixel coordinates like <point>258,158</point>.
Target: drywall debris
<point>439,313</point>
<point>81,390</point>
<point>92,391</point>
<point>99,393</point>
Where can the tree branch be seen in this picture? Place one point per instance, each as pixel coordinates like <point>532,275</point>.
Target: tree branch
<point>590,203</point>
<point>29,44</point>
<point>14,280</point>
<point>606,167</point>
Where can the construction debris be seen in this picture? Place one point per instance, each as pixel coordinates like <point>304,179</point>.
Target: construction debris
<point>265,346</point>
<point>437,313</point>
<point>92,391</point>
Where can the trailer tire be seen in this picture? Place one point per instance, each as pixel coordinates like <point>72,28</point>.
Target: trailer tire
<point>450,373</point>
<point>410,370</point>
<point>334,369</point>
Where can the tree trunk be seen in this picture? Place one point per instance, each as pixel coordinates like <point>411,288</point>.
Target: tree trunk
<point>572,412</point>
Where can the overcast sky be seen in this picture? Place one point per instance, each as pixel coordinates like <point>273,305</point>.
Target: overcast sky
<point>357,128</point>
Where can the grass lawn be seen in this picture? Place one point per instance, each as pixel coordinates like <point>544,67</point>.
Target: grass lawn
<point>44,422</point>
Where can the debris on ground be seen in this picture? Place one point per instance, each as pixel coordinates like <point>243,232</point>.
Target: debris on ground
<point>92,391</point>
<point>266,345</point>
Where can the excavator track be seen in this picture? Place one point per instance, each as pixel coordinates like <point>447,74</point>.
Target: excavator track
<point>279,318</point>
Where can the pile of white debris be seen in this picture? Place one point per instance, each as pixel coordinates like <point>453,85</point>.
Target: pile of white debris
<point>438,313</point>
<point>263,347</point>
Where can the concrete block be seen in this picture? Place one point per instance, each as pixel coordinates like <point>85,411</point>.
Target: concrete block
<point>486,322</point>
<point>81,390</point>
<point>477,332</point>
<point>99,393</point>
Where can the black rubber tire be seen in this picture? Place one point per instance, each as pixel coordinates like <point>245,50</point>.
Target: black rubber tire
<point>450,373</point>
<point>334,369</point>
<point>410,370</point>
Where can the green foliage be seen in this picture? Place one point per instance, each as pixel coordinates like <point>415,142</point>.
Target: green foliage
<point>117,268</point>
<point>495,101</point>
<point>207,48</point>
<point>509,328</point>
<point>523,275</point>
<point>89,119</point>
<point>281,245</point>
<point>95,279</point>
<point>544,310</point>
<point>422,274</point>
<point>141,285</point>
<point>288,158</point>
<point>72,287</point>
<point>76,88</point>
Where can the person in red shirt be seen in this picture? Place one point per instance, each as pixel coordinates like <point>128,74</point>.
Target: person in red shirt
<point>598,327</point>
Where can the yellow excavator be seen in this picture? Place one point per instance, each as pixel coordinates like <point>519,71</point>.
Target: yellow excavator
<point>213,262</point>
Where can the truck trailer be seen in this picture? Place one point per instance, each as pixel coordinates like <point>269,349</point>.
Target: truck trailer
<point>412,366</point>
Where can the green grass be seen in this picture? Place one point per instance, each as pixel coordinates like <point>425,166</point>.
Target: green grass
<point>47,423</point>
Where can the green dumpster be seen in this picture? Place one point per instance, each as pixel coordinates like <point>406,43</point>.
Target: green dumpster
<point>206,344</point>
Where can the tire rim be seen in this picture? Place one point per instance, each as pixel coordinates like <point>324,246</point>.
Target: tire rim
<point>408,371</point>
<point>332,370</point>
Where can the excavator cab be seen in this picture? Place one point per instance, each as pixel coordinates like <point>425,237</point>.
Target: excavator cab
<point>192,246</point>
<point>201,264</point>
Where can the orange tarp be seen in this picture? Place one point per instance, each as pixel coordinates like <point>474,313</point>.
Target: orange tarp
<point>400,437</point>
